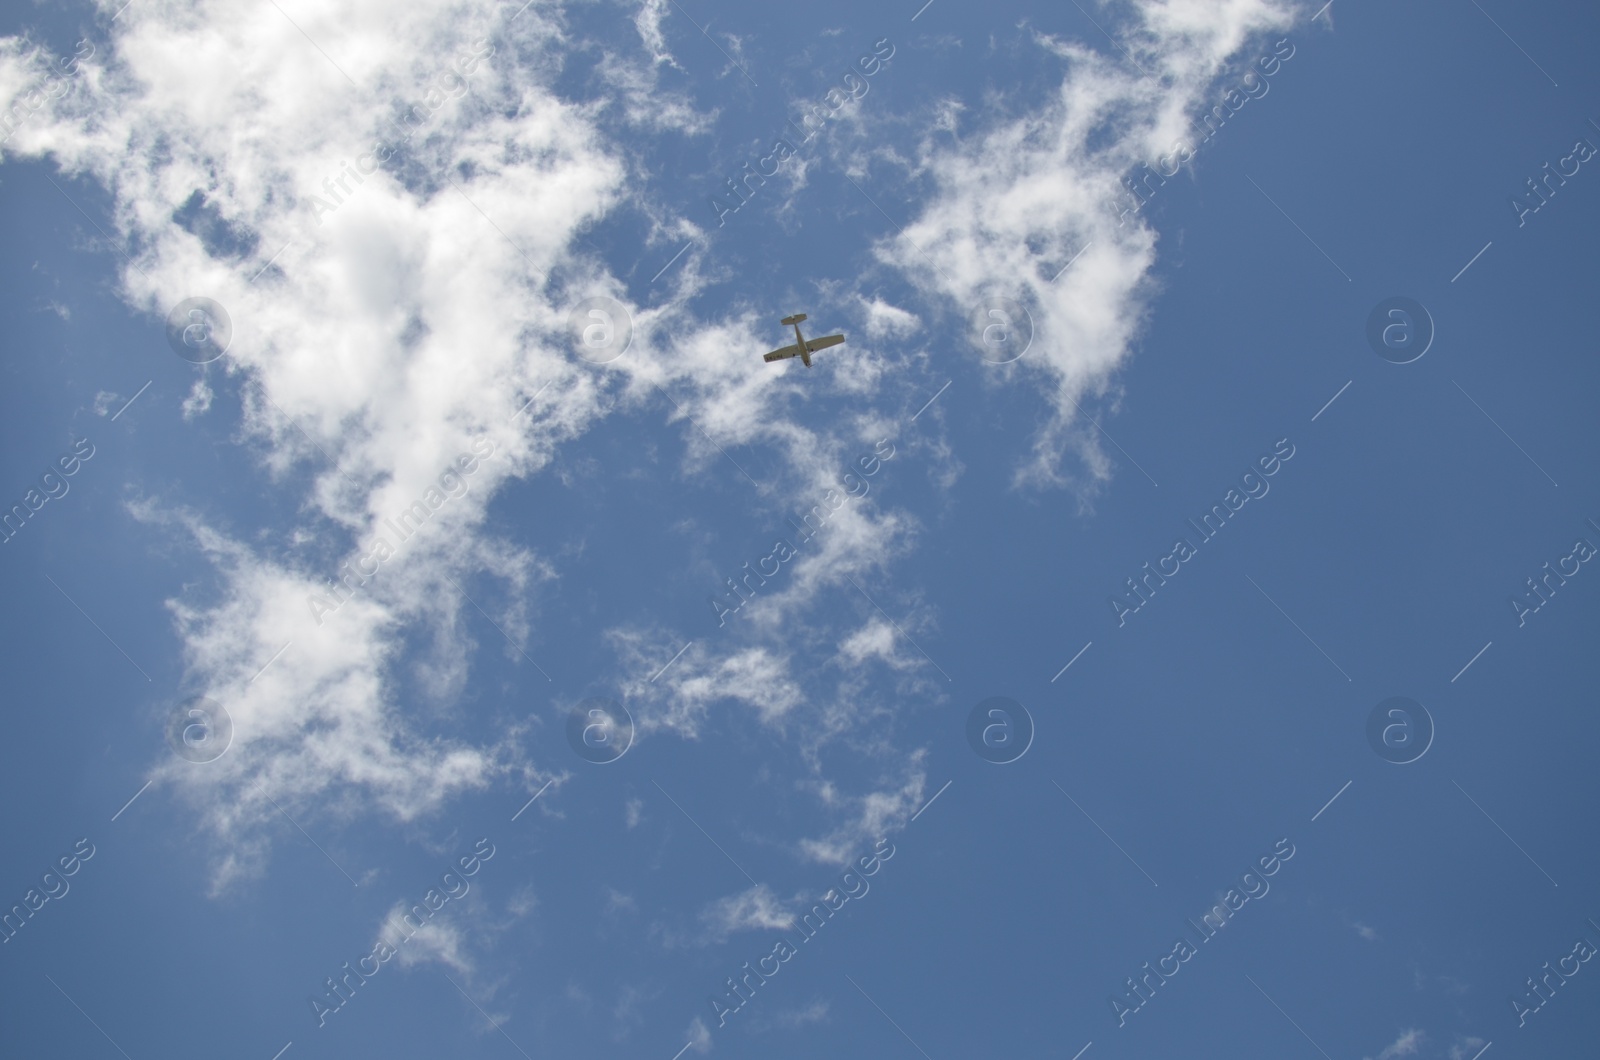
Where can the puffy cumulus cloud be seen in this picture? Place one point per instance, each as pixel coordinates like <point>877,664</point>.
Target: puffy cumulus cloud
<point>1012,204</point>
<point>380,212</point>
<point>312,704</point>
<point>886,320</point>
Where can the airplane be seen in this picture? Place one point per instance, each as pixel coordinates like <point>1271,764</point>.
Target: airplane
<point>803,347</point>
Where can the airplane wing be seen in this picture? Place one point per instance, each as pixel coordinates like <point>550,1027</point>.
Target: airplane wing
<point>813,345</point>
<point>781,353</point>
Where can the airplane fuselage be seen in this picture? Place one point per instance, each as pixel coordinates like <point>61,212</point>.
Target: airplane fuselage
<point>801,348</point>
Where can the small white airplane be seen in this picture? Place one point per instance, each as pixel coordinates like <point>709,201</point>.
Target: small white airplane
<point>803,347</point>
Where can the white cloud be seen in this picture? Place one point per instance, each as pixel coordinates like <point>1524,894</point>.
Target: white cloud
<point>411,313</point>
<point>755,909</point>
<point>646,102</point>
<point>865,817</point>
<point>618,903</point>
<point>1020,197</point>
<point>438,940</point>
<point>680,699</point>
<point>625,1011</point>
<point>648,22</point>
<point>1407,1044</point>
<point>885,320</point>
<point>789,1018</point>
<point>699,1035</point>
<point>384,341</point>
<point>522,902</point>
<point>877,639</point>
<point>198,403</point>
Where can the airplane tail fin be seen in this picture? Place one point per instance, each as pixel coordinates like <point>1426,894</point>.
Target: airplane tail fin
<point>797,318</point>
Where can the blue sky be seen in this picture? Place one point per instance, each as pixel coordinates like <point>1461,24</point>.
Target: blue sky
<point>807,753</point>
